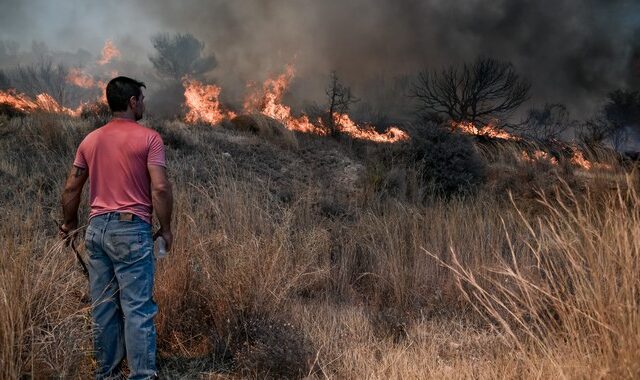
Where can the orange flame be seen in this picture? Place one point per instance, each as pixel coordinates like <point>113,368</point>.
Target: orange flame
<point>539,155</point>
<point>344,123</point>
<point>42,102</point>
<point>488,130</point>
<point>109,52</point>
<point>79,78</point>
<point>579,160</point>
<point>269,103</point>
<point>203,104</point>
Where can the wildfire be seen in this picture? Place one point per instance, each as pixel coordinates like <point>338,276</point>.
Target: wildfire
<point>367,132</point>
<point>42,102</point>
<point>269,103</point>
<point>488,130</point>
<point>109,52</point>
<point>202,101</point>
<point>539,155</point>
<point>578,159</point>
<point>79,78</point>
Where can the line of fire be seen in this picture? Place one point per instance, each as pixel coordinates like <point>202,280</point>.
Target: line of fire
<point>202,104</point>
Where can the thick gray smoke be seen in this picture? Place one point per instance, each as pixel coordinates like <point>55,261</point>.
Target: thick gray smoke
<point>573,51</point>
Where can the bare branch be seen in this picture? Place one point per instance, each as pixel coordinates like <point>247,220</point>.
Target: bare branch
<point>479,92</point>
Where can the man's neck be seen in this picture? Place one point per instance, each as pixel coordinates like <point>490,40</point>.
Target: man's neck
<point>124,115</point>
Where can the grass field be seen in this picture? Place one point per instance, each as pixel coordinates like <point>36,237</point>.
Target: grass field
<point>278,274</point>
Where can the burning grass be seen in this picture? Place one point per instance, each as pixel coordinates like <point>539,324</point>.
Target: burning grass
<point>265,286</point>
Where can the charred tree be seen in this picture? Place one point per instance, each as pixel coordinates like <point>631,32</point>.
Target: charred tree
<point>484,91</point>
<point>547,123</point>
<point>340,100</point>
<point>619,116</point>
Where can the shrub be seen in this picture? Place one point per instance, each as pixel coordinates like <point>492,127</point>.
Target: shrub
<point>448,163</point>
<point>266,127</point>
<point>265,347</point>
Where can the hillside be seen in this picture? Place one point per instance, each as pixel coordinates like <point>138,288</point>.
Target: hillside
<point>302,255</point>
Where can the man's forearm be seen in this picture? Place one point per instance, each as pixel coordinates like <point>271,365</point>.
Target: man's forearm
<point>70,203</point>
<point>163,205</point>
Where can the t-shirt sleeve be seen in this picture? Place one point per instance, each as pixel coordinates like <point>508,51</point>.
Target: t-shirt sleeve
<point>156,151</point>
<point>80,161</point>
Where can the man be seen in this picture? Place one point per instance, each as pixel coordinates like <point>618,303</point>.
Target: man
<point>125,163</point>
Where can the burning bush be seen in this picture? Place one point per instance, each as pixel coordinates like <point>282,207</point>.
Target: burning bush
<point>95,109</point>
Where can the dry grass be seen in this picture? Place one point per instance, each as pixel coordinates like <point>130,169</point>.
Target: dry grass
<point>544,286</point>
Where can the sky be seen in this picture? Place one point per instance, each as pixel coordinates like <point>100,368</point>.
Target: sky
<point>573,51</point>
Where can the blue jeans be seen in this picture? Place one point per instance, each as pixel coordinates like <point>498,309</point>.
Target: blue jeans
<point>121,266</point>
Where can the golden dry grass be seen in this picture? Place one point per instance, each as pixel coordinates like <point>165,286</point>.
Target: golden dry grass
<point>544,286</point>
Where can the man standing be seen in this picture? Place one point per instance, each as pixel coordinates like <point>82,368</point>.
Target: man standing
<point>125,163</point>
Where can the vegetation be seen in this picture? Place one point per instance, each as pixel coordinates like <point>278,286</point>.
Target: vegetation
<point>179,55</point>
<point>481,92</point>
<point>539,283</point>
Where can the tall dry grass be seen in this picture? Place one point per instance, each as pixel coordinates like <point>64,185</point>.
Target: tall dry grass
<point>257,286</point>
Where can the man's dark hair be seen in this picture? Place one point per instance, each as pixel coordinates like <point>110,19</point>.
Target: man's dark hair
<point>120,90</point>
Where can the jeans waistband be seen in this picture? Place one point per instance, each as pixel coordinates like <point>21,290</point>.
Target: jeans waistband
<point>115,215</point>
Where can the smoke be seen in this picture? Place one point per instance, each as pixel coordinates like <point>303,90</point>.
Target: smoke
<point>573,51</point>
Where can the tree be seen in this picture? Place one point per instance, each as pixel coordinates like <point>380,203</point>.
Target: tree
<point>481,92</point>
<point>620,114</point>
<point>623,108</point>
<point>548,122</point>
<point>179,55</point>
<point>595,130</point>
<point>340,99</point>
<point>5,83</point>
<point>44,76</point>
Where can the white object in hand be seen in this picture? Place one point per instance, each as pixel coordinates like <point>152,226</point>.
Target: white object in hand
<point>161,247</point>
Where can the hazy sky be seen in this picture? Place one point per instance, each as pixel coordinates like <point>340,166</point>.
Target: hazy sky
<point>573,51</point>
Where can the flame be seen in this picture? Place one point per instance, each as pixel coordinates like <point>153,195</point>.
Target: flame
<point>344,123</point>
<point>538,155</point>
<point>42,102</point>
<point>79,78</point>
<point>203,104</point>
<point>488,130</point>
<point>269,103</point>
<point>109,52</point>
<point>578,159</point>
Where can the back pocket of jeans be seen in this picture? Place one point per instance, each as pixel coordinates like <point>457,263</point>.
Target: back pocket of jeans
<point>128,247</point>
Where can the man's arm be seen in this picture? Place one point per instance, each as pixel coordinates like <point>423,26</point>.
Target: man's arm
<point>162,199</point>
<point>71,198</point>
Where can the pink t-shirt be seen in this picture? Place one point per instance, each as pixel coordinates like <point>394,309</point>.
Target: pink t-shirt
<point>116,156</point>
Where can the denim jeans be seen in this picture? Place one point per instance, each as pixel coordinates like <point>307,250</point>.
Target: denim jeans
<point>121,267</point>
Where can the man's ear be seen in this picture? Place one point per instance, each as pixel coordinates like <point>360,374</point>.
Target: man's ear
<point>133,102</point>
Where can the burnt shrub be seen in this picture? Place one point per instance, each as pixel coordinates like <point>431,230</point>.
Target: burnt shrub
<point>447,163</point>
<point>266,347</point>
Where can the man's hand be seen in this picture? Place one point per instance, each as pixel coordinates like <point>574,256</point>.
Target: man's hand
<point>167,235</point>
<point>162,199</point>
<point>67,231</point>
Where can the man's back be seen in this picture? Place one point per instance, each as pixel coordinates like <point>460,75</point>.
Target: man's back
<point>116,156</point>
